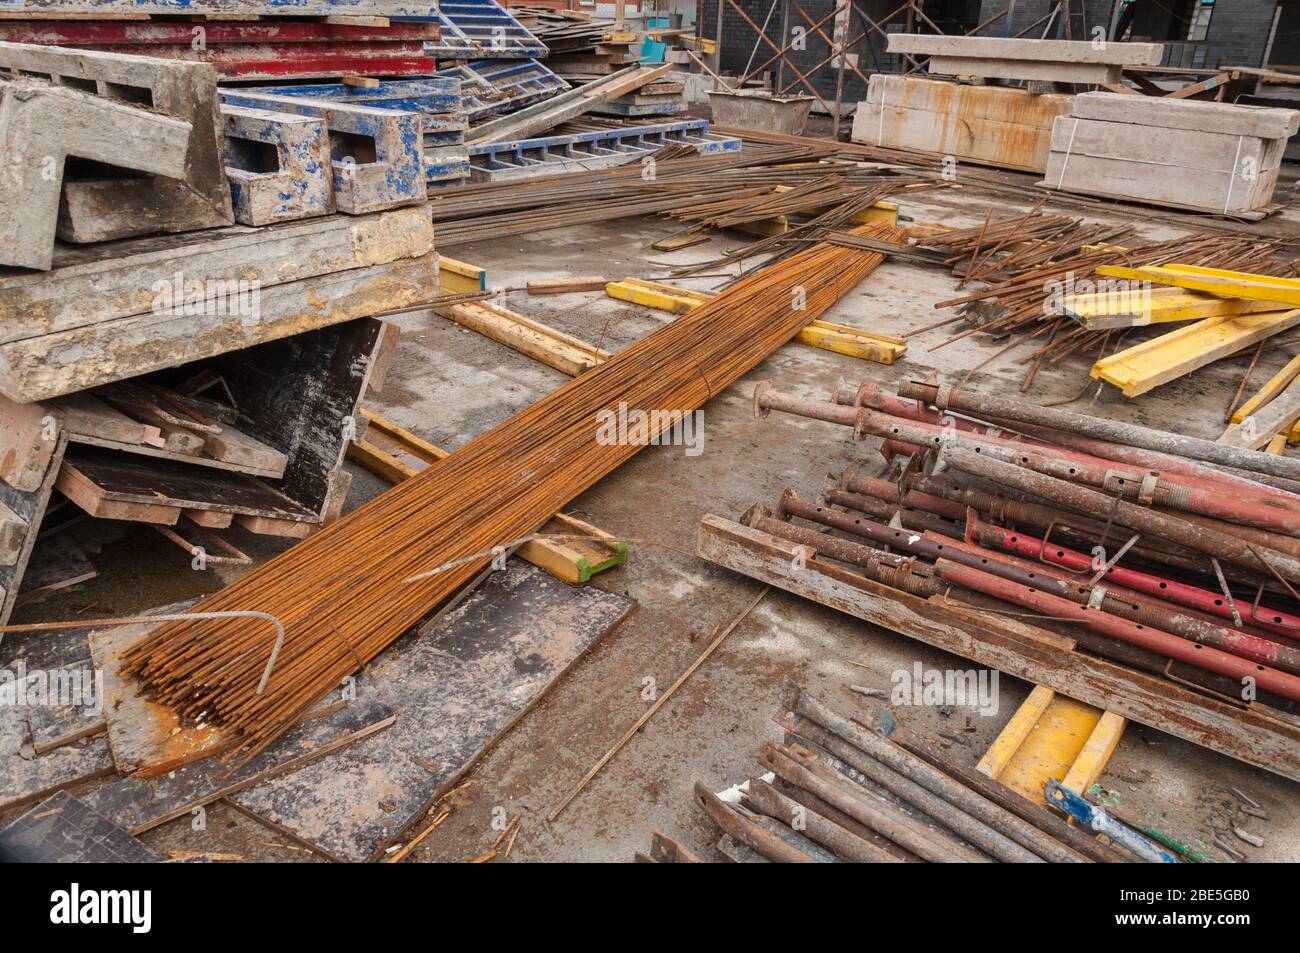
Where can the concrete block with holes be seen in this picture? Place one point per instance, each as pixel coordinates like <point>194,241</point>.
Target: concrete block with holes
<point>41,126</point>
<point>376,155</point>
<point>103,203</point>
<point>278,165</point>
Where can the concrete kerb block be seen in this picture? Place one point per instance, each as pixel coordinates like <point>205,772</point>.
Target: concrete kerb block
<point>110,208</point>
<point>40,126</point>
<point>1061,52</point>
<point>377,155</point>
<point>299,185</point>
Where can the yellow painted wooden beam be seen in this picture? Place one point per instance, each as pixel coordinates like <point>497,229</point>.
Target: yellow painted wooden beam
<point>840,338</point>
<point>538,341</point>
<point>1274,386</point>
<point>1014,733</point>
<point>1092,760</point>
<point>394,453</point>
<point>1052,736</point>
<point>458,277</point>
<point>1131,308</point>
<point>843,339</point>
<point>574,560</point>
<point>1144,366</point>
<point>1230,284</point>
<point>652,294</point>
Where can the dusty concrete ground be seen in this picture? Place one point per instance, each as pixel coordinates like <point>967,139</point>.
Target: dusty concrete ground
<point>450,385</point>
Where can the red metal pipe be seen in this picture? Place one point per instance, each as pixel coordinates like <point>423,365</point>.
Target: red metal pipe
<point>1182,493</point>
<point>1212,603</point>
<point>1154,640</point>
<point>1241,644</point>
<point>868,394</point>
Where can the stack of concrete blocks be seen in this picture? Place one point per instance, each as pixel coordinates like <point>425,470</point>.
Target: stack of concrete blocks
<point>1201,156</point>
<point>988,125</point>
<point>1047,61</point>
<point>389,142</point>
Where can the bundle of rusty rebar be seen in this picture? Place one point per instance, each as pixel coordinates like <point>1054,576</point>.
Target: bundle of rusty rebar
<point>347,592</point>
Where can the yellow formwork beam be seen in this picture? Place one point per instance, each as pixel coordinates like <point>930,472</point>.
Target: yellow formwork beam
<point>1216,281</point>
<point>1144,366</point>
<point>532,338</point>
<point>1137,307</point>
<point>459,277</point>
<point>840,338</point>
<point>1274,386</point>
<point>652,294</point>
<point>1052,736</point>
<point>843,339</point>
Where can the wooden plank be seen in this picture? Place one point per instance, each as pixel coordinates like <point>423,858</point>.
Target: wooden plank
<point>88,495</point>
<point>1252,735</point>
<point>233,446</point>
<point>540,342</point>
<point>1144,366</point>
<point>27,444</point>
<point>1256,429</point>
<point>1272,387</point>
<point>56,364</point>
<point>23,513</point>
<point>98,475</point>
<point>855,342</point>
<point>1214,281</point>
<point>559,286</point>
<point>1124,308</point>
<point>395,454</point>
<point>27,779</point>
<point>64,830</point>
<point>267,526</point>
<point>114,280</point>
<point>209,518</point>
<point>459,688</point>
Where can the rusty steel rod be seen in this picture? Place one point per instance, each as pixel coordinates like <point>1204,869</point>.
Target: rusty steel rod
<point>1101,428</point>
<point>995,829</point>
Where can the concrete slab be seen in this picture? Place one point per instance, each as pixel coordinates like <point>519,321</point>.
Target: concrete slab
<point>993,125</point>
<point>102,209</point>
<point>1033,70</point>
<point>1266,122</point>
<point>1012,48</point>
